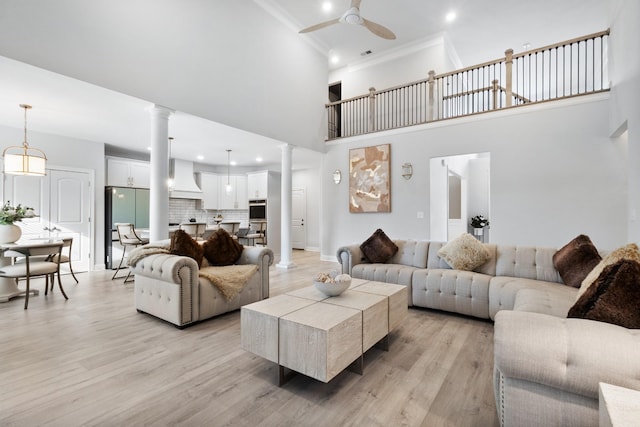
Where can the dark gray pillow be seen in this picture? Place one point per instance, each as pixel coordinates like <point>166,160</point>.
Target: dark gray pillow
<point>378,248</point>
<point>575,260</point>
<point>614,297</point>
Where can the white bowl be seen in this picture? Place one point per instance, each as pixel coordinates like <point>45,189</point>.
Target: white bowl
<point>332,289</point>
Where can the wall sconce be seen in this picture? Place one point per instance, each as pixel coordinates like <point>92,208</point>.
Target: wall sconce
<point>407,170</point>
<point>337,176</point>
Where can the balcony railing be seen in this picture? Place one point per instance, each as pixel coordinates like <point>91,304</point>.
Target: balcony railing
<point>567,69</point>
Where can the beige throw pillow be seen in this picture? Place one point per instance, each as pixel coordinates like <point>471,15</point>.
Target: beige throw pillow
<point>464,253</point>
<point>630,252</point>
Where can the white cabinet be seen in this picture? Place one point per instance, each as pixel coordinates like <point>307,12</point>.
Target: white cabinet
<point>127,173</point>
<point>257,185</point>
<point>237,197</point>
<point>209,184</point>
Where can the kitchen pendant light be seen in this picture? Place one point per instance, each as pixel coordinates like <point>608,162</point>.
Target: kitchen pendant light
<point>228,187</point>
<point>24,160</point>
<point>170,180</point>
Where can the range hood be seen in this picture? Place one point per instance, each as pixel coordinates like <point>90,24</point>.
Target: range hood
<point>184,184</point>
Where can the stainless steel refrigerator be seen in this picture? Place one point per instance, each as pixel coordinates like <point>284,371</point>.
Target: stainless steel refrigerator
<point>123,204</point>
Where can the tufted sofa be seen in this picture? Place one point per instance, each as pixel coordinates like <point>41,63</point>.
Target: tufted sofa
<point>546,367</point>
<point>168,286</point>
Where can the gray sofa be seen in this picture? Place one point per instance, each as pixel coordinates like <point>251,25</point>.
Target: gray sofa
<point>547,367</point>
<point>168,286</point>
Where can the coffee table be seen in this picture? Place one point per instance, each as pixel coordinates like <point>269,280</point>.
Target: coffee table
<point>319,336</point>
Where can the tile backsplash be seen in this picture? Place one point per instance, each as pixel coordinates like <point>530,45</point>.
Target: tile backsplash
<point>180,210</point>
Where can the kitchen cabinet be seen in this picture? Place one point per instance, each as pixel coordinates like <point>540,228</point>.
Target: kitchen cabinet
<point>210,186</point>
<point>237,198</point>
<point>127,173</point>
<point>257,185</point>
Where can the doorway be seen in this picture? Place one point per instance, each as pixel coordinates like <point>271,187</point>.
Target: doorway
<point>459,189</point>
<point>335,112</point>
<point>63,201</point>
<point>298,215</point>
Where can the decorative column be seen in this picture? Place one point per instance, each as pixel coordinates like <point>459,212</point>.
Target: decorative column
<point>159,191</point>
<point>285,215</point>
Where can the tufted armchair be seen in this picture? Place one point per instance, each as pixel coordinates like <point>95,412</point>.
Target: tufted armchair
<point>168,286</point>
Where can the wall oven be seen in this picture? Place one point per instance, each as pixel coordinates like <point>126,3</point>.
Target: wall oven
<point>257,209</point>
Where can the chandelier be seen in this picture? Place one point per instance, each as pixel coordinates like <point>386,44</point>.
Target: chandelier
<point>23,160</point>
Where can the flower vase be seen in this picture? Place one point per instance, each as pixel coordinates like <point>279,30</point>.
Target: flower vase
<point>478,231</point>
<point>9,233</point>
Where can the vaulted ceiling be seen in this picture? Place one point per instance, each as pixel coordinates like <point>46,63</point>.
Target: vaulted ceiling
<point>95,66</point>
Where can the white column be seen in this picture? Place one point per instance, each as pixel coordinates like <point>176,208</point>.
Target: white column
<point>159,190</point>
<point>285,215</point>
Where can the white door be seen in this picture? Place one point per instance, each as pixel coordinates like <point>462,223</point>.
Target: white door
<point>298,215</point>
<point>70,213</point>
<point>62,201</point>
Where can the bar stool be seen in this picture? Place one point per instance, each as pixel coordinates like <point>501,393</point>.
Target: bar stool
<point>127,236</point>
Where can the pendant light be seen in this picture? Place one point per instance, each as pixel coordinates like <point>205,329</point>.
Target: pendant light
<point>24,160</point>
<point>228,187</point>
<point>170,181</point>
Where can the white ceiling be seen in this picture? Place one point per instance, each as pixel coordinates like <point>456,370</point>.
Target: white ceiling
<point>482,31</point>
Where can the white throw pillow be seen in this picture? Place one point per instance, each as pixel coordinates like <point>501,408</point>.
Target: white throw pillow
<point>464,253</point>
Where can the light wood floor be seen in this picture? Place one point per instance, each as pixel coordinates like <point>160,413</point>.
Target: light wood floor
<point>93,360</point>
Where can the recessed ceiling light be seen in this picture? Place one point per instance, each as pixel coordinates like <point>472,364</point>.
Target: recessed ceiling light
<point>450,16</point>
<point>258,159</point>
<point>327,6</point>
<point>233,163</point>
<point>149,148</point>
<point>335,59</point>
<point>200,157</point>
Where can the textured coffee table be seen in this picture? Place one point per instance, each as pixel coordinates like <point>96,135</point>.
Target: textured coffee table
<point>320,336</point>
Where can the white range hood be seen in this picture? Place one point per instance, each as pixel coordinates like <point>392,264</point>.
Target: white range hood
<point>184,184</point>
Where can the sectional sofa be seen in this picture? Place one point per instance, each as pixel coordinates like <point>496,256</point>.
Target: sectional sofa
<point>547,367</point>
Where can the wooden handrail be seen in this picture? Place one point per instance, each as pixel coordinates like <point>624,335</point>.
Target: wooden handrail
<point>516,79</point>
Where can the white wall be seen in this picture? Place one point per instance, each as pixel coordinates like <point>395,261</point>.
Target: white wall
<point>624,70</point>
<point>73,153</point>
<point>226,61</point>
<point>414,65</point>
<point>555,173</point>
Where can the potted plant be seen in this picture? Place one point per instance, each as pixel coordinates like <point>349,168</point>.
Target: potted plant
<point>9,232</point>
<point>478,223</point>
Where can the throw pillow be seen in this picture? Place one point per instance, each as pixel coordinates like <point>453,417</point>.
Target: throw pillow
<point>614,297</point>
<point>629,251</point>
<point>464,253</point>
<point>378,248</point>
<point>183,244</point>
<point>575,260</point>
<point>222,249</point>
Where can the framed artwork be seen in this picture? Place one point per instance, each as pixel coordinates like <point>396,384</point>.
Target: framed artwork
<point>370,179</point>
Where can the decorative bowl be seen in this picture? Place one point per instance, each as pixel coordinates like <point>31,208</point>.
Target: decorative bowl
<point>332,289</point>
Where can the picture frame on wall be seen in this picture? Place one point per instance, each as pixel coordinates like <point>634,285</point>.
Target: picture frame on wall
<point>370,179</point>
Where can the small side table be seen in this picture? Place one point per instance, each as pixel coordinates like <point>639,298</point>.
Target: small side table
<point>619,406</point>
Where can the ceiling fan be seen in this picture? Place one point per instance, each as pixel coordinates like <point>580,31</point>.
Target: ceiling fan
<point>352,16</point>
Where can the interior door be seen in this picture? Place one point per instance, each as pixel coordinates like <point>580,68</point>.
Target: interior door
<point>298,215</point>
<point>62,201</point>
<point>70,213</point>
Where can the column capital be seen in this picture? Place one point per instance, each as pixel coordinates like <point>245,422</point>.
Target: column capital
<point>286,146</point>
<point>160,111</point>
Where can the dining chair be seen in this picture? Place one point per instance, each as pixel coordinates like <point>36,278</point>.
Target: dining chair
<point>127,237</point>
<point>194,229</point>
<point>38,261</point>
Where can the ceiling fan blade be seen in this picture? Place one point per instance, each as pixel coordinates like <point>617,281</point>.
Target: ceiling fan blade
<point>378,30</point>
<point>355,3</point>
<point>319,26</point>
